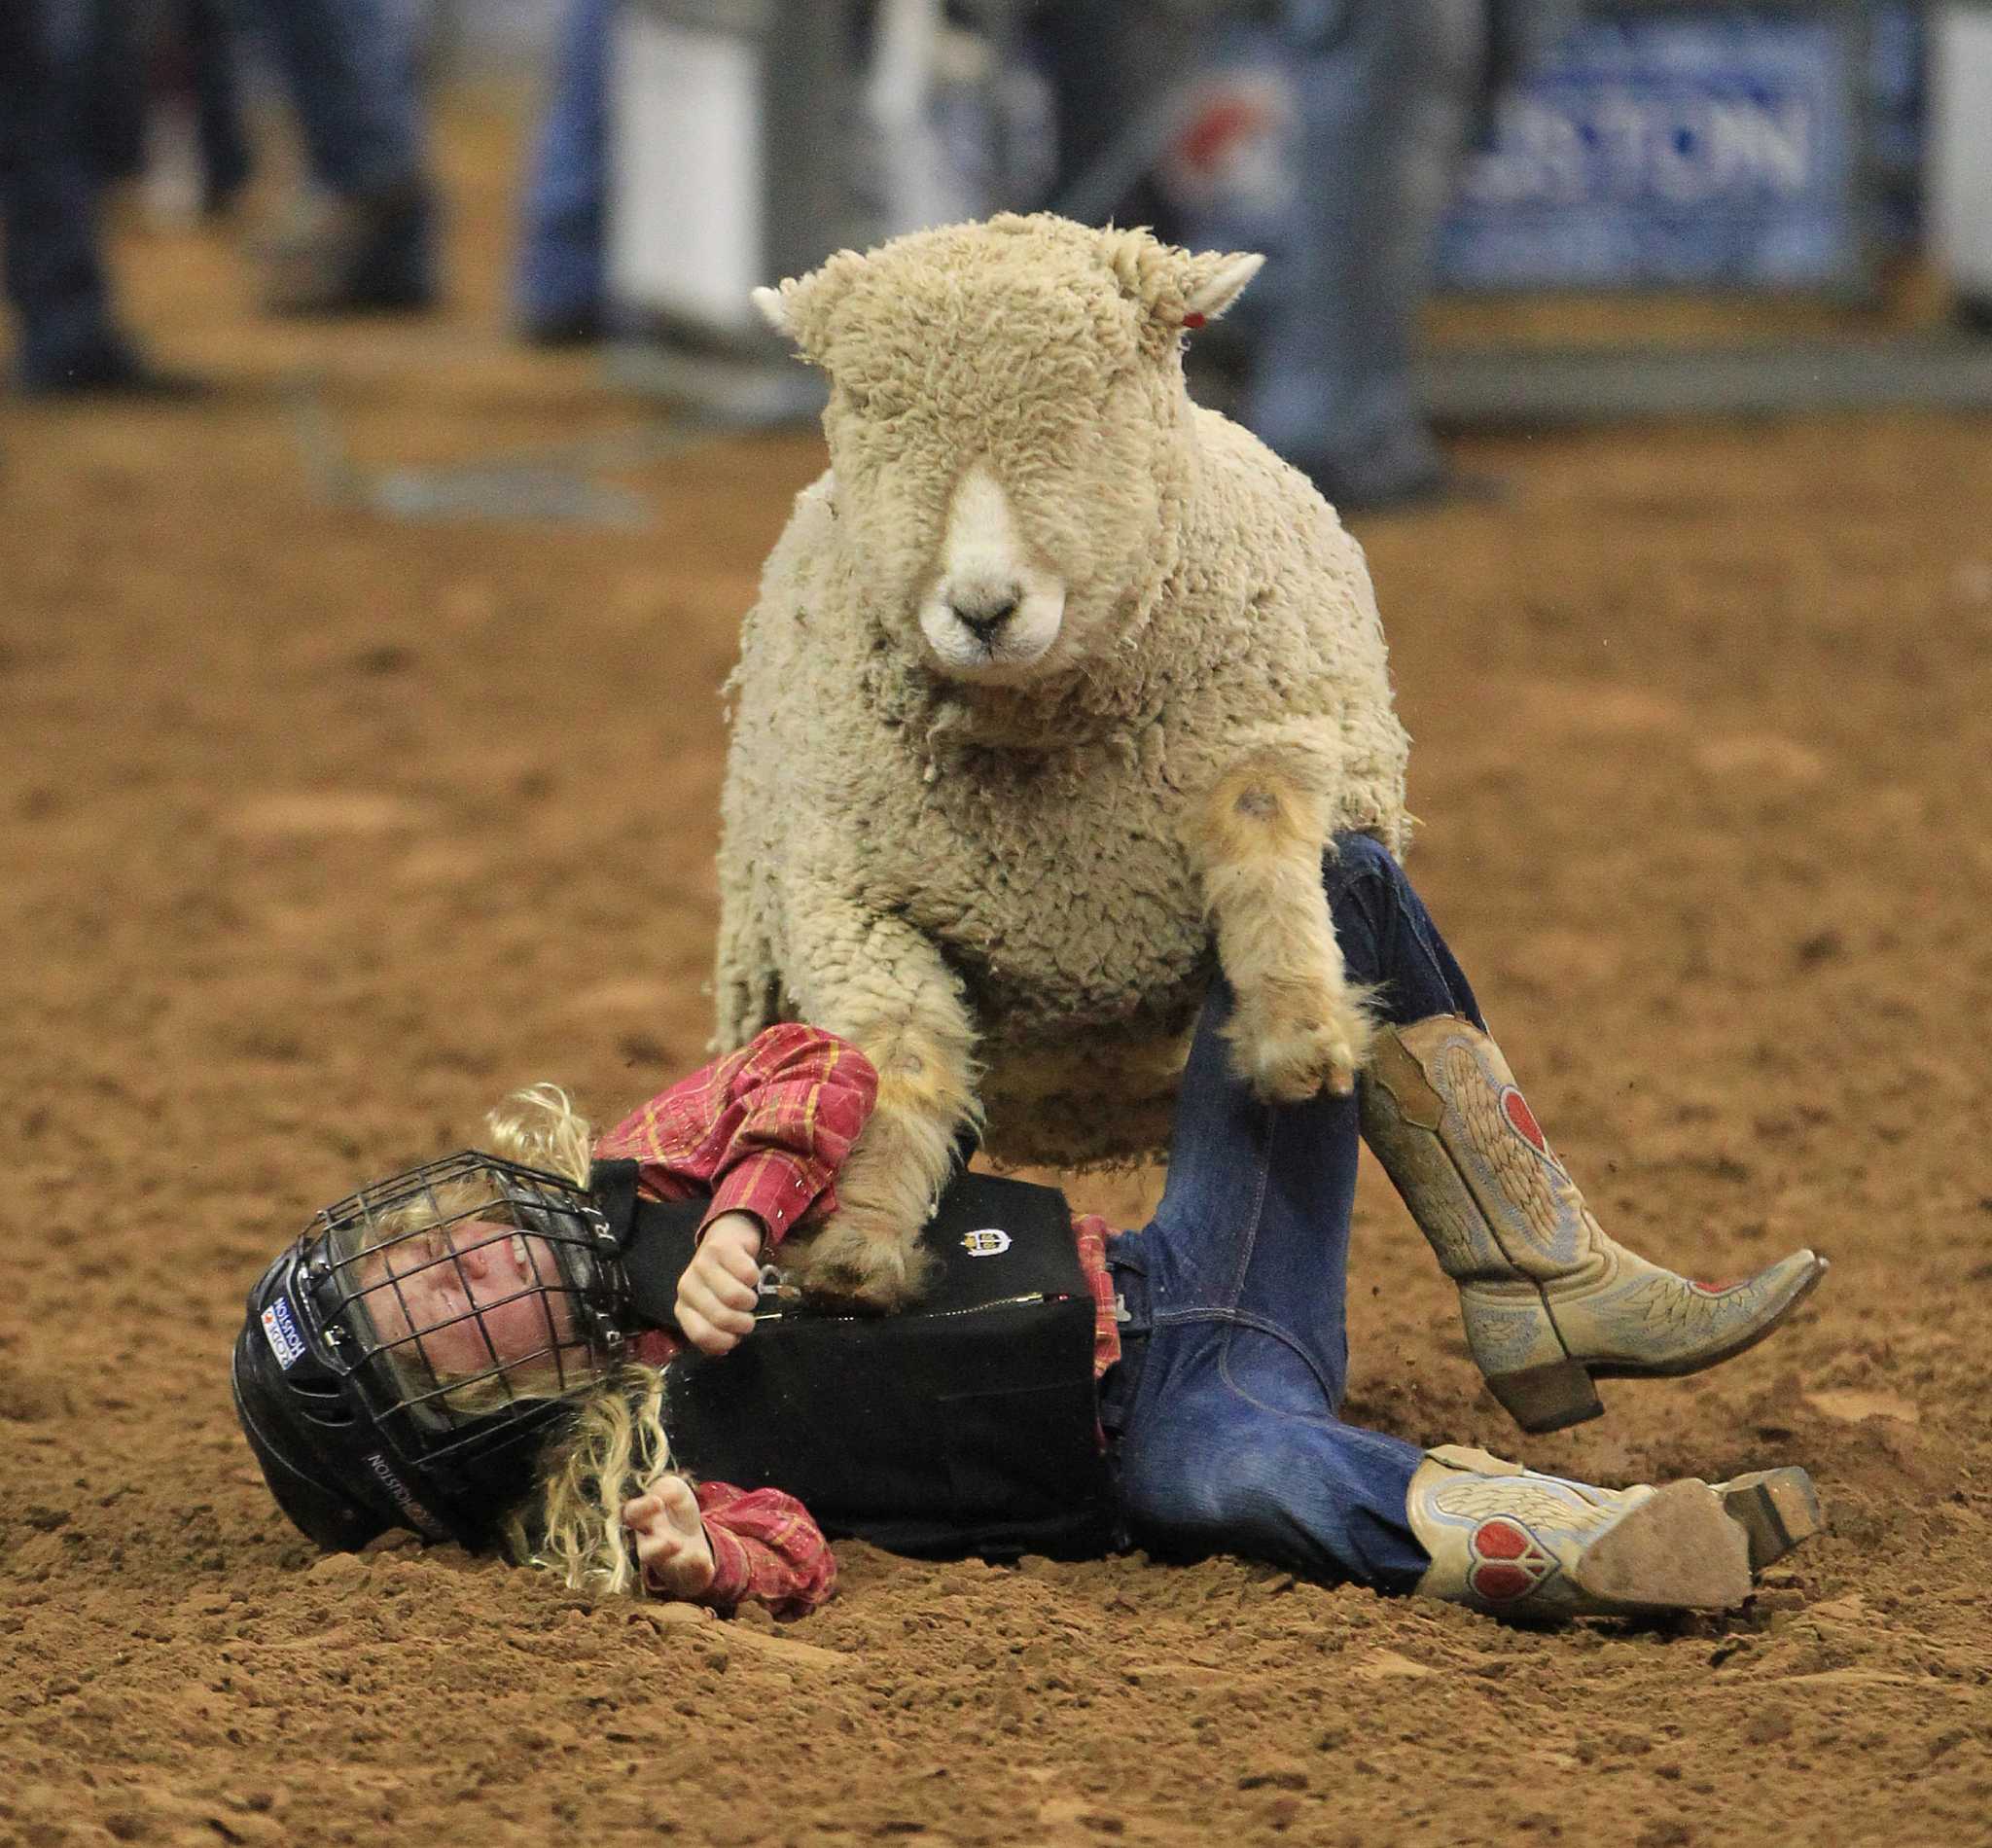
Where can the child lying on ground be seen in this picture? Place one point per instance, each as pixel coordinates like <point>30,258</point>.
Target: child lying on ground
<point>483,1351</point>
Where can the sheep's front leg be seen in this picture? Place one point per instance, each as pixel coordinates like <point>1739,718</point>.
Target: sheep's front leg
<point>881,984</point>
<point>1257,838</point>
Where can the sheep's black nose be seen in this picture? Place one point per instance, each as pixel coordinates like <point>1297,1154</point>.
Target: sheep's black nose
<point>983,620</point>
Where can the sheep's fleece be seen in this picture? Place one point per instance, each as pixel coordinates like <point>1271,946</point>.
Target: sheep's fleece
<point>950,849</point>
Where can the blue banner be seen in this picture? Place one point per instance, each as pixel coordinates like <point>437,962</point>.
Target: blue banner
<point>1697,148</point>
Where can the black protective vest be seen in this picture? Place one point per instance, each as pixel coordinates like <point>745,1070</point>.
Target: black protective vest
<point>965,1424</point>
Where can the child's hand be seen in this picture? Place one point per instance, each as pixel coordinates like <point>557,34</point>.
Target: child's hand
<point>672,1545</point>
<point>722,1284</point>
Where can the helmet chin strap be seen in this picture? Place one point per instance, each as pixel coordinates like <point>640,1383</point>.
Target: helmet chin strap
<point>656,1239</point>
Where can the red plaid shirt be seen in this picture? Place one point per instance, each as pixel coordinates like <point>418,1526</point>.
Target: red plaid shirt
<point>763,1131</point>
<point>767,1547</point>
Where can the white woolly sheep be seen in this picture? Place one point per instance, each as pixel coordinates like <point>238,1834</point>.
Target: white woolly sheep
<point>1057,683</point>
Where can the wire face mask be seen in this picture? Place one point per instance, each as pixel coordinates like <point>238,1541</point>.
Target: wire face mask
<point>466,1286</point>
<point>403,1360</point>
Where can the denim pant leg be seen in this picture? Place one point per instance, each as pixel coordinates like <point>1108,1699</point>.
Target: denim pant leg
<point>1231,1441</point>
<point>562,255</point>
<point>350,72</point>
<point>49,227</point>
<point>1388,940</point>
<point>1378,136</point>
<point>207,33</point>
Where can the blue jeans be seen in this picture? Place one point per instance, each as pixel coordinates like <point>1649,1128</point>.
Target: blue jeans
<point>207,42</point>
<point>50,235</point>
<point>1383,93</point>
<point>1225,1403</point>
<point>350,72</point>
<point>562,272</point>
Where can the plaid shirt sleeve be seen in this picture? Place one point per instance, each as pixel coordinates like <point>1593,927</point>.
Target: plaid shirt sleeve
<point>767,1547</point>
<point>764,1129</point>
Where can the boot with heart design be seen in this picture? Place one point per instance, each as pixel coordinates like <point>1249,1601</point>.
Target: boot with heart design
<point>1535,1547</point>
<point>1550,1301</point>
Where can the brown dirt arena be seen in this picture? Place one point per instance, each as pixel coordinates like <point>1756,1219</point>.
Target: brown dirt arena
<point>319,832</point>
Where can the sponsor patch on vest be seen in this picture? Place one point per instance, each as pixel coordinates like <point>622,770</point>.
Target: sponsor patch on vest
<point>991,1242</point>
<point>280,1329</point>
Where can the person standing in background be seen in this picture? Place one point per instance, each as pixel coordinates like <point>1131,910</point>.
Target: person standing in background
<point>559,284</point>
<point>1389,96</point>
<point>72,340</point>
<point>1109,63</point>
<point>141,49</point>
<point>363,239</point>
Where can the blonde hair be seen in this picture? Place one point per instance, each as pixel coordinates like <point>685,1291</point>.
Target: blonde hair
<point>613,1448</point>
<point>539,1127</point>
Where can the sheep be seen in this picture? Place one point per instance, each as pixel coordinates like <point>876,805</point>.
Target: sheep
<point>1056,686</point>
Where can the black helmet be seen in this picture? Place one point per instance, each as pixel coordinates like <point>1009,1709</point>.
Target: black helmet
<point>355,1426</point>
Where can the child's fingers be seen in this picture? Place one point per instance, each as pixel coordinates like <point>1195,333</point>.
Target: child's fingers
<point>641,1508</point>
<point>708,1325</point>
<point>741,1266</point>
<point>701,1333</point>
<point>711,1322</point>
<point>658,1551</point>
<point>693,1294</point>
<point>673,1548</point>
<point>730,1293</point>
<point>725,1286</point>
<point>740,1270</point>
<point>675,1495</point>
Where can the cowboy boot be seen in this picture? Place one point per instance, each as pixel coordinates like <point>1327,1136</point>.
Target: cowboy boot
<point>1509,1541</point>
<point>1549,1300</point>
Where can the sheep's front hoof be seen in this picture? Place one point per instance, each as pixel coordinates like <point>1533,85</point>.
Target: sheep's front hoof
<point>1288,1062</point>
<point>861,1272</point>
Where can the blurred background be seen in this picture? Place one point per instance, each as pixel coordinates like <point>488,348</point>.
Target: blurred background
<point>1480,212</point>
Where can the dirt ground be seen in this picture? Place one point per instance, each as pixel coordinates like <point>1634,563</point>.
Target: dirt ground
<point>319,831</point>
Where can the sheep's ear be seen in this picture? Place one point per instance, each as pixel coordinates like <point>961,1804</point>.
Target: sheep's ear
<point>797,309</point>
<point>1212,281</point>
<point>774,305</point>
<point>1175,288</point>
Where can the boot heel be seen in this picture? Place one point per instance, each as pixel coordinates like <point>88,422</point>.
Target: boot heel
<point>1547,1397</point>
<point>1776,1508</point>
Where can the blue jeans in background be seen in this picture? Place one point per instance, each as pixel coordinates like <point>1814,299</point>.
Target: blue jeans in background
<point>50,233</point>
<point>559,286</point>
<point>351,70</point>
<point>1225,1403</point>
<point>1385,92</point>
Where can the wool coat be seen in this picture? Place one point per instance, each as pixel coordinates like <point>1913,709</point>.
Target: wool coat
<point>1016,847</point>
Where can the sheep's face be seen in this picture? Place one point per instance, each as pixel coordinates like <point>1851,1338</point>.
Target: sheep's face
<point>1001,502</point>
<point>1007,402</point>
<point>995,607</point>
